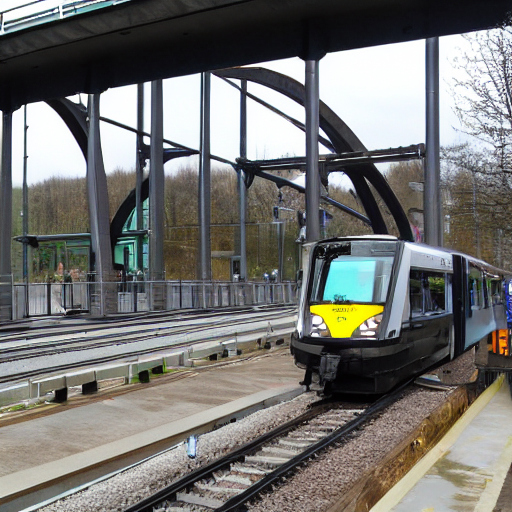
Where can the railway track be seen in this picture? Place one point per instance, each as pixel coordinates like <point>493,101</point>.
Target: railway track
<point>228,484</point>
<point>152,323</point>
<point>22,357</point>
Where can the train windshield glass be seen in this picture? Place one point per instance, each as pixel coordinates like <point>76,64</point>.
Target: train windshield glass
<point>352,279</point>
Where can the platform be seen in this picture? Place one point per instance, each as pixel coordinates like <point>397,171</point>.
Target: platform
<point>122,428</point>
<point>469,470</point>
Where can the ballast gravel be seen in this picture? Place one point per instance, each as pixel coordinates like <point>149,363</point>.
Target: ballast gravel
<point>314,487</point>
<point>131,486</point>
<point>311,488</point>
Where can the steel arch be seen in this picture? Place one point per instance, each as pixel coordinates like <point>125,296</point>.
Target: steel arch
<point>343,140</point>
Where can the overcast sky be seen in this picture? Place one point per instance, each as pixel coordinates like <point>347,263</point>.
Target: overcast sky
<point>379,92</point>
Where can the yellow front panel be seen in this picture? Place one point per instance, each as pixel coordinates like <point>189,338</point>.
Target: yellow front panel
<point>343,319</point>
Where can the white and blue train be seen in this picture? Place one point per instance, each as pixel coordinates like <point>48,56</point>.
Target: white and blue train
<point>375,310</point>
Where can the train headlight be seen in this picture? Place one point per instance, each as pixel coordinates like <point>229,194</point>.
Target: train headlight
<point>319,328</point>
<point>369,328</point>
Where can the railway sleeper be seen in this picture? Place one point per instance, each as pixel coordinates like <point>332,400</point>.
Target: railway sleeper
<point>195,499</point>
<point>247,481</point>
<point>306,435</point>
<point>326,424</point>
<point>297,443</point>
<point>266,461</point>
<point>245,469</point>
<point>273,451</point>
<point>175,508</point>
<point>218,489</point>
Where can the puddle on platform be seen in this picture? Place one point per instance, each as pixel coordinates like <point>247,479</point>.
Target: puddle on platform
<point>448,486</point>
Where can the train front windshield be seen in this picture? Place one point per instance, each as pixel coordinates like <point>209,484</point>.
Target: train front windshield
<point>348,292</point>
<point>349,279</point>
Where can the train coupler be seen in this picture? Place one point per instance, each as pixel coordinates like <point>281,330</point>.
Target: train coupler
<point>328,368</point>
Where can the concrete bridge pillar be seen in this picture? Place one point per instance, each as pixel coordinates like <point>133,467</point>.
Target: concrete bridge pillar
<point>104,296</point>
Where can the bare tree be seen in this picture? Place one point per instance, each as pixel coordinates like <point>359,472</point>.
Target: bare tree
<point>484,94</point>
<point>478,174</point>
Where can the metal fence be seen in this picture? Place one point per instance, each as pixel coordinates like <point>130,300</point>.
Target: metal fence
<point>44,299</point>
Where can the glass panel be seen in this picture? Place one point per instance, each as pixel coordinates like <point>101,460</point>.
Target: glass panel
<point>427,292</point>
<point>475,288</point>
<point>416,293</point>
<point>357,279</point>
<point>436,293</point>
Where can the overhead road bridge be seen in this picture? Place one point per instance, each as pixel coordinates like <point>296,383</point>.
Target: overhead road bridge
<point>142,40</point>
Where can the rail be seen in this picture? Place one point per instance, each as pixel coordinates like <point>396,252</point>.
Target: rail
<point>37,12</point>
<point>272,478</point>
<point>46,299</point>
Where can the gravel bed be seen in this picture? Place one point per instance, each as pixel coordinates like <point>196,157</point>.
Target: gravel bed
<point>312,488</point>
<point>133,485</point>
<point>459,371</point>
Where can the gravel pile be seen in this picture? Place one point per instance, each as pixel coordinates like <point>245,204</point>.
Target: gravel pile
<point>131,486</point>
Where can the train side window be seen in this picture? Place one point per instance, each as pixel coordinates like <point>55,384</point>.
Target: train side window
<point>416,293</point>
<point>496,291</point>
<point>488,301</point>
<point>475,288</point>
<point>436,293</point>
<point>427,293</point>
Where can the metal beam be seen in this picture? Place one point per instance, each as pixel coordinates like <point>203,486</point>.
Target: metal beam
<point>242,189</point>
<point>204,199</point>
<point>139,170</point>
<point>25,210</point>
<point>334,162</point>
<point>156,184</point>
<point>312,130</point>
<point>432,192</point>
<point>6,216</point>
<point>343,139</point>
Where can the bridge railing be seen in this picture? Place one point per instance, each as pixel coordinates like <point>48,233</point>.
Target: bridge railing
<point>46,299</point>
<point>37,12</point>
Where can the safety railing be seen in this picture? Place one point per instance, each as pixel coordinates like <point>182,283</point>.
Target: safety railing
<point>36,12</point>
<point>44,299</point>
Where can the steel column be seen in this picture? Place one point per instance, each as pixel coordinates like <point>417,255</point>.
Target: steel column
<point>432,192</point>
<point>25,210</point>
<point>242,190</point>
<point>312,131</point>
<point>5,216</point>
<point>156,184</point>
<point>139,170</point>
<point>204,202</point>
<point>99,206</point>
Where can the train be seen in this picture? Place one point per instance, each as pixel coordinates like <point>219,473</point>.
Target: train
<point>375,310</point>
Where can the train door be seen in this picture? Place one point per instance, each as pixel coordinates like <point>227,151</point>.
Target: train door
<point>460,302</point>
<point>431,319</point>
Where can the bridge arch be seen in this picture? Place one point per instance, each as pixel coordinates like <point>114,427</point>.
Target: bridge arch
<point>342,138</point>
